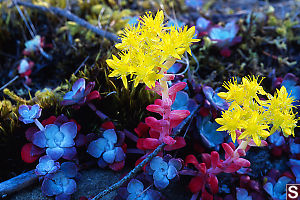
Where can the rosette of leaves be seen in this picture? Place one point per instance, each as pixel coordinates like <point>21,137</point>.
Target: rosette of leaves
<point>136,191</point>
<point>61,184</point>
<point>108,151</point>
<point>164,170</point>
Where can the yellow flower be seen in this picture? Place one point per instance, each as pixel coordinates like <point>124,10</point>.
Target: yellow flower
<point>281,101</point>
<point>255,116</point>
<point>231,120</point>
<point>146,47</point>
<point>255,128</point>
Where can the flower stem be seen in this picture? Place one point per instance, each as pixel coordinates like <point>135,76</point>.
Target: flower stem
<point>130,135</point>
<point>137,168</point>
<point>243,144</point>
<point>98,112</point>
<point>39,125</point>
<point>135,151</point>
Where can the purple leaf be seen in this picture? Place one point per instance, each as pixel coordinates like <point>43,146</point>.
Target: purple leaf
<point>39,139</point>
<point>50,188</point>
<point>162,183</point>
<point>109,156</point>
<point>214,99</point>
<point>120,155</point>
<point>29,113</point>
<point>69,153</point>
<point>97,147</point>
<point>110,135</point>
<point>176,163</point>
<point>69,169</point>
<point>242,194</point>
<point>181,101</point>
<point>70,129</point>
<point>50,131</point>
<point>55,153</point>
<point>172,172</point>
<point>101,163</point>
<point>46,165</point>
<point>135,186</point>
<point>70,187</point>
<point>80,83</point>
<point>157,163</point>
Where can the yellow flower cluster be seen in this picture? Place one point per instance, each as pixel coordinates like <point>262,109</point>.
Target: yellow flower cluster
<point>256,118</point>
<point>146,47</point>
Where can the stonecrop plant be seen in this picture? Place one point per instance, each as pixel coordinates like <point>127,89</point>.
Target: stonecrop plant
<point>149,49</point>
<point>255,113</point>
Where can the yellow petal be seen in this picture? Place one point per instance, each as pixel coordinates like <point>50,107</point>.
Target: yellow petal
<point>124,79</point>
<point>223,95</point>
<point>256,139</point>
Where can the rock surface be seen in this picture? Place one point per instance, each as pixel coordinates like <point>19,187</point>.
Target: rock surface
<point>89,184</point>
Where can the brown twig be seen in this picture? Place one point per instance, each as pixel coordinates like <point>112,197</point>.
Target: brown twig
<point>70,16</point>
<point>135,170</point>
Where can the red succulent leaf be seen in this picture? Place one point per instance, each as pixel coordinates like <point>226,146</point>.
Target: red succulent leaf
<point>228,150</point>
<point>191,159</point>
<point>168,77</point>
<point>156,124</point>
<point>202,168</point>
<point>215,159</point>
<point>156,89</point>
<point>169,140</point>
<point>26,154</point>
<point>242,162</point>
<point>213,183</point>
<point>196,184</point>
<point>174,89</point>
<point>180,142</point>
<point>231,145</point>
<point>108,125</point>
<point>158,102</point>
<point>116,166</point>
<point>232,168</point>
<point>176,117</point>
<point>154,133</point>
<point>142,129</point>
<point>147,143</point>
<point>93,95</point>
<point>206,196</point>
<point>27,73</point>
<point>206,158</point>
<point>155,108</point>
<point>241,152</point>
<point>50,120</point>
